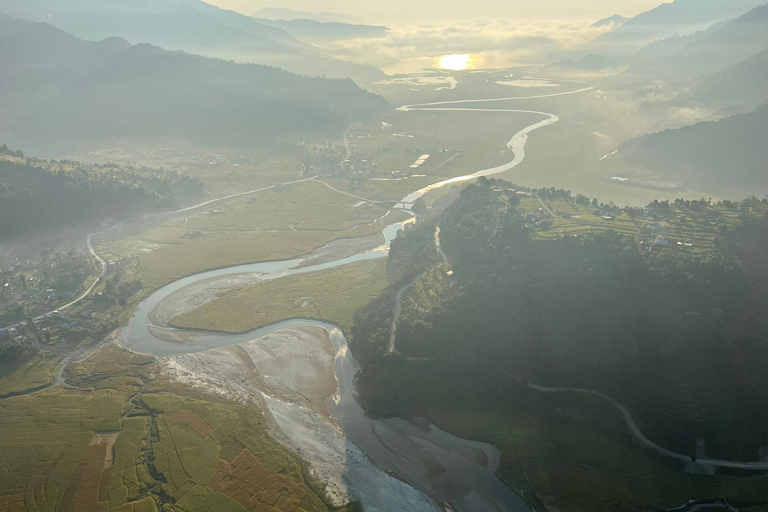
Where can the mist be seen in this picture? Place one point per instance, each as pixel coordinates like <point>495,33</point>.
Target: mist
<point>394,256</point>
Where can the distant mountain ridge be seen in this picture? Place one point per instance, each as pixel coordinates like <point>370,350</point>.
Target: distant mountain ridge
<point>57,87</point>
<point>189,25</point>
<point>731,43</point>
<point>677,18</point>
<point>728,158</point>
<point>743,84</point>
<point>280,13</point>
<point>615,20</point>
<point>313,30</point>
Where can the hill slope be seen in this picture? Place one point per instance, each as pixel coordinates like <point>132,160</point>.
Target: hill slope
<point>189,25</point>
<point>730,44</point>
<point>728,158</point>
<point>741,84</point>
<point>39,196</point>
<point>89,92</point>
<point>313,30</point>
<point>680,17</point>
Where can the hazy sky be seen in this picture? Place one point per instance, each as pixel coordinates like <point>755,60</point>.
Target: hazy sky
<point>426,11</point>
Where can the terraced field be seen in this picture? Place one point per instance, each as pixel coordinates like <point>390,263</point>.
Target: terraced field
<point>53,456</point>
<point>121,438</point>
<point>698,227</point>
<point>212,458</point>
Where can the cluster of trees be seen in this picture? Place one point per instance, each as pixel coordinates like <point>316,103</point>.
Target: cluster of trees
<point>411,253</point>
<point>36,196</point>
<point>118,291</point>
<point>680,338</point>
<point>5,150</point>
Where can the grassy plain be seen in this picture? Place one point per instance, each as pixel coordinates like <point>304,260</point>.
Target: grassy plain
<point>39,371</point>
<point>577,152</point>
<point>572,452</point>
<point>458,143</point>
<point>225,171</point>
<point>272,225</point>
<point>333,295</point>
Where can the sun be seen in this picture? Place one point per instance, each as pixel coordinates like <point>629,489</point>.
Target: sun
<point>456,62</point>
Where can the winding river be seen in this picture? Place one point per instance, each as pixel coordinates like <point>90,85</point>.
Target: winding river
<point>392,464</point>
<point>443,471</point>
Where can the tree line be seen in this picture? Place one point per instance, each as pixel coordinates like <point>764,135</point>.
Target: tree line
<point>38,196</point>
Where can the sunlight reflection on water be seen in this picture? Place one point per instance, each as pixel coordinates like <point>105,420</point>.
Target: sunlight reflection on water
<point>456,62</point>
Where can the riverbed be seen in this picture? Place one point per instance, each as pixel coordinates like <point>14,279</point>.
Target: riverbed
<point>386,464</point>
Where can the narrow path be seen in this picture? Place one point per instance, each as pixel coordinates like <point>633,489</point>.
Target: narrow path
<point>446,162</point>
<point>231,196</point>
<point>549,211</point>
<point>346,141</point>
<point>401,291</point>
<point>407,108</point>
<point>647,443</point>
<point>75,357</point>
<point>398,310</point>
<point>372,201</point>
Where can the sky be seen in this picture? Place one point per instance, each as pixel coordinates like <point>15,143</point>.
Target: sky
<point>430,11</point>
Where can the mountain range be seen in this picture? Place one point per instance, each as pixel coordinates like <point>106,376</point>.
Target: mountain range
<point>676,18</point>
<point>59,87</point>
<point>710,51</point>
<point>280,13</point>
<point>190,25</point>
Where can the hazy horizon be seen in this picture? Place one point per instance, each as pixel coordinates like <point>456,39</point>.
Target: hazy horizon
<point>430,11</point>
<point>357,256</point>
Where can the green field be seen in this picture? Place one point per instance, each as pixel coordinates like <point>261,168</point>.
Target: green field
<point>332,295</point>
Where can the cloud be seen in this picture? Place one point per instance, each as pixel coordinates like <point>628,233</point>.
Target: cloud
<point>502,43</point>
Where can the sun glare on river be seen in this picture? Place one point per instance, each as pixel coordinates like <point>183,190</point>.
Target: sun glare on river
<point>456,62</point>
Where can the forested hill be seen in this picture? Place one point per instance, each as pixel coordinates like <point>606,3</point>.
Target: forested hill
<point>742,84</point>
<point>726,157</point>
<point>39,196</point>
<point>677,335</point>
<point>92,92</point>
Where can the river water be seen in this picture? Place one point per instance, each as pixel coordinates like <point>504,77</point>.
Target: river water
<point>442,471</point>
